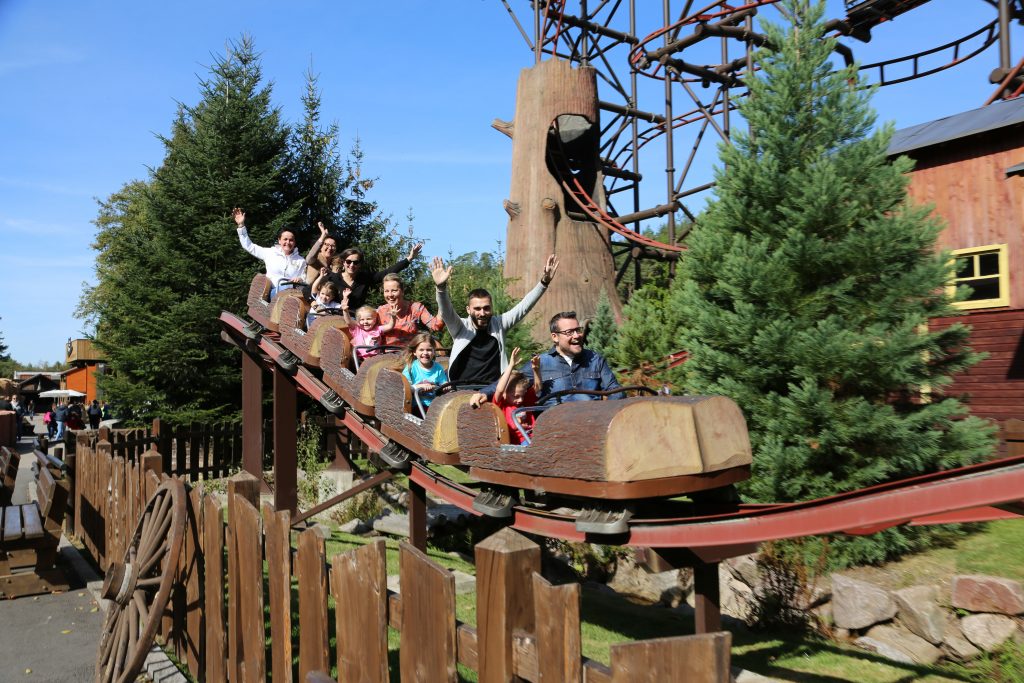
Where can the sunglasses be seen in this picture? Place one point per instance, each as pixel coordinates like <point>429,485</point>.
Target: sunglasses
<point>352,262</point>
<point>569,333</point>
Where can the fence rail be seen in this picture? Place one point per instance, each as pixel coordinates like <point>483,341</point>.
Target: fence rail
<point>527,628</point>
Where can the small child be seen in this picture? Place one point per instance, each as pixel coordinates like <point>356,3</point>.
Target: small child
<point>326,301</point>
<point>421,370</point>
<point>367,330</point>
<point>514,391</point>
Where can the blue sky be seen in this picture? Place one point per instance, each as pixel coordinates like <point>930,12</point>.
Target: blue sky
<point>88,85</point>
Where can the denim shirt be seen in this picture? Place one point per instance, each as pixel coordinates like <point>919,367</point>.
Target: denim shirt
<point>589,370</point>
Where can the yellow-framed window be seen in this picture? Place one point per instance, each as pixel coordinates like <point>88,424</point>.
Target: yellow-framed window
<point>985,270</point>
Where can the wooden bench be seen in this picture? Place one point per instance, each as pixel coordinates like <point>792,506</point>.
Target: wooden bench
<point>10,460</point>
<point>29,535</point>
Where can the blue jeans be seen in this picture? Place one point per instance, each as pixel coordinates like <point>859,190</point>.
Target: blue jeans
<point>60,430</point>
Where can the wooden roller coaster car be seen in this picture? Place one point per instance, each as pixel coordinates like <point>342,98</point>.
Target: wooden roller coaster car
<point>644,447</point>
<point>307,344</point>
<point>261,309</point>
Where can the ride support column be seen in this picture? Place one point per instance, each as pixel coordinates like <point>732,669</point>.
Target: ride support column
<point>285,442</point>
<point>252,416</point>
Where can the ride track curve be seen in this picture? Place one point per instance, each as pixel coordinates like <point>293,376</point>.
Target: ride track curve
<point>983,492</point>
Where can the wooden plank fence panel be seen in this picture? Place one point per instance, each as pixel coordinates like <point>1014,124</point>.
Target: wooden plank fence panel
<point>702,658</point>
<point>194,567</point>
<point>195,439</point>
<point>505,564</point>
<point>243,490</point>
<point>311,571</point>
<point>427,650</point>
<point>359,586</point>
<point>557,615</point>
<point>180,456</point>
<point>277,534</point>
<point>213,546</point>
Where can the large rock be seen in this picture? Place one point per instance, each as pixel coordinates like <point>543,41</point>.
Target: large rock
<point>987,631</point>
<point>744,568</point>
<point>955,643</point>
<point>668,588</point>
<point>920,612</point>
<point>899,645</point>
<point>977,593</point>
<point>858,604</point>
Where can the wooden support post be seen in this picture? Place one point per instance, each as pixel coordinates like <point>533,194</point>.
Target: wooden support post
<point>252,416</point>
<point>418,516</point>
<point>706,597</point>
<point>285,461</point>
<point>506,562</point>
<point>339,436</point>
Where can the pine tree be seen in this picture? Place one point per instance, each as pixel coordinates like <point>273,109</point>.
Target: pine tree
<point>601,328</point>
<point>317,173</point>
<point>169,257</point>
<point>807,289</point>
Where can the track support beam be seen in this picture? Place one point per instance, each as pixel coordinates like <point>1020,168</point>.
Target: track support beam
<point>285,460</point>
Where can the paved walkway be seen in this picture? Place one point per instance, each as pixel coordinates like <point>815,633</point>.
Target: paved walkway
<point>48,638</point>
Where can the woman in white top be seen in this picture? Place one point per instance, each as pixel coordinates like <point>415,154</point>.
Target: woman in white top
<point>285,265</point>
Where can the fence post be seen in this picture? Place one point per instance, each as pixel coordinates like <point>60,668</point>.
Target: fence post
<point>242,486</point>
<point>505,564</point>
<point>163,435</point>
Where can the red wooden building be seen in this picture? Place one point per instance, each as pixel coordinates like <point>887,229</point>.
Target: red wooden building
<point>970,166</point>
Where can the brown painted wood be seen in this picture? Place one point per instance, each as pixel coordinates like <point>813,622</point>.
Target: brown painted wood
<point>627,440</point>
<point>285,461</point>
<point>311,572</point>
<point>248,546</point>
<point>700,658</point>
<point>277,535</point>
<point>557,631</point>
<point>418,516</point>
<point>540,225</point>
<point>435,437</point>
<point>427,650</point>
<point>195,628</point>
<point>241,487</point>
<point>707,601</point>
<point>213,593</point>
<point>359,587</point>
<point>505,564</point>
<point>252,415</point>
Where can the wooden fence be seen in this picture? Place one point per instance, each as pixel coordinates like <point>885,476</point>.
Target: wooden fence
<point>527,627</point>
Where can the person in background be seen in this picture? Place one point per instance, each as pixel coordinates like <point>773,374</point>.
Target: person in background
<point>60,414</point>
<point>94,414</point>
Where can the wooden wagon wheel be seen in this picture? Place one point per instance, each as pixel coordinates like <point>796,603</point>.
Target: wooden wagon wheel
<point>140,586</point>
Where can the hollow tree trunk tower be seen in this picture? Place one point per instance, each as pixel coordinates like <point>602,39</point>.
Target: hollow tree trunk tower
<point>556,112</point>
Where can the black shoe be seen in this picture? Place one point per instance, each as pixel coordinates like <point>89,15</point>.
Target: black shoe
<point>494,503</point>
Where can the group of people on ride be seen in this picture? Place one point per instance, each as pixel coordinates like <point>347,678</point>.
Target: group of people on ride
<point>477,358</point>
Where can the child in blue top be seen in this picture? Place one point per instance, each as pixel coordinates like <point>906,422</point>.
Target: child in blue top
<point>422,371</point>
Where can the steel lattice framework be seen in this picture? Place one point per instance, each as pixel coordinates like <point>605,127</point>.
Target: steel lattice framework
<point>691,59</point>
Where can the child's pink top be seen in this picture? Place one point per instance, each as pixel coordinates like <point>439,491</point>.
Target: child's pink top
<point>361,337</point>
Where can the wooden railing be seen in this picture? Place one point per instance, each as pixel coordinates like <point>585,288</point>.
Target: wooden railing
<point>215,625</point>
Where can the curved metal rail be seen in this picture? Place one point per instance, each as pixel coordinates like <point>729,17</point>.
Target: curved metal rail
<point>983,492</point>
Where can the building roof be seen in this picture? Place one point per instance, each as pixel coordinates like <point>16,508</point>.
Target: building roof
<point>993,117</point>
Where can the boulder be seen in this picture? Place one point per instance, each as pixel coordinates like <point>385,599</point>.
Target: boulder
<point>978,593</point>
<point>744,568</point>
<point>858,604</point>
<point>987,631</point>
<point>899,645</point>
<point>392,524</point>
<point>955,643</point>
<point>668,588</point>
<point>464,583</point>
<point>920,612</point>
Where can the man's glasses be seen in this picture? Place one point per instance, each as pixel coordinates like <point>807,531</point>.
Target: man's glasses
<point>569,333</point>
<point>352,262</point>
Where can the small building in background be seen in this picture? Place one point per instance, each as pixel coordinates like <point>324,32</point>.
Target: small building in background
<point>969,167</point>
<point>31,383</point>
<point>84,364</point>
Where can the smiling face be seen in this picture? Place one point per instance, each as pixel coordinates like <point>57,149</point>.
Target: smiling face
<point>325,296</point>
<point>480,312</point>
<point>425,354</point>
<point>327,249</point>
<point>516,393</point>
<point>287,242</point>
<point>568,337</point>
<point>366,320</point>
<point>392,292</point>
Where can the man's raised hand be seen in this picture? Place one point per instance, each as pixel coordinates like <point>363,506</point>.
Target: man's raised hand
<point>549,270</point>
<point>439,272</point>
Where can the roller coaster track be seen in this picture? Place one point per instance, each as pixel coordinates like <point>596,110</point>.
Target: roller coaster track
<point>983,492</point>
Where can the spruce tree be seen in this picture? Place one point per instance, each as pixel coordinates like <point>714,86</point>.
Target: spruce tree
<point>807,288</point>
<point>601,329</point>
<point>169,257</point>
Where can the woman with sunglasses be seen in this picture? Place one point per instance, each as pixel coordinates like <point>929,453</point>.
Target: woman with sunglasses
<point>359,281</point>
